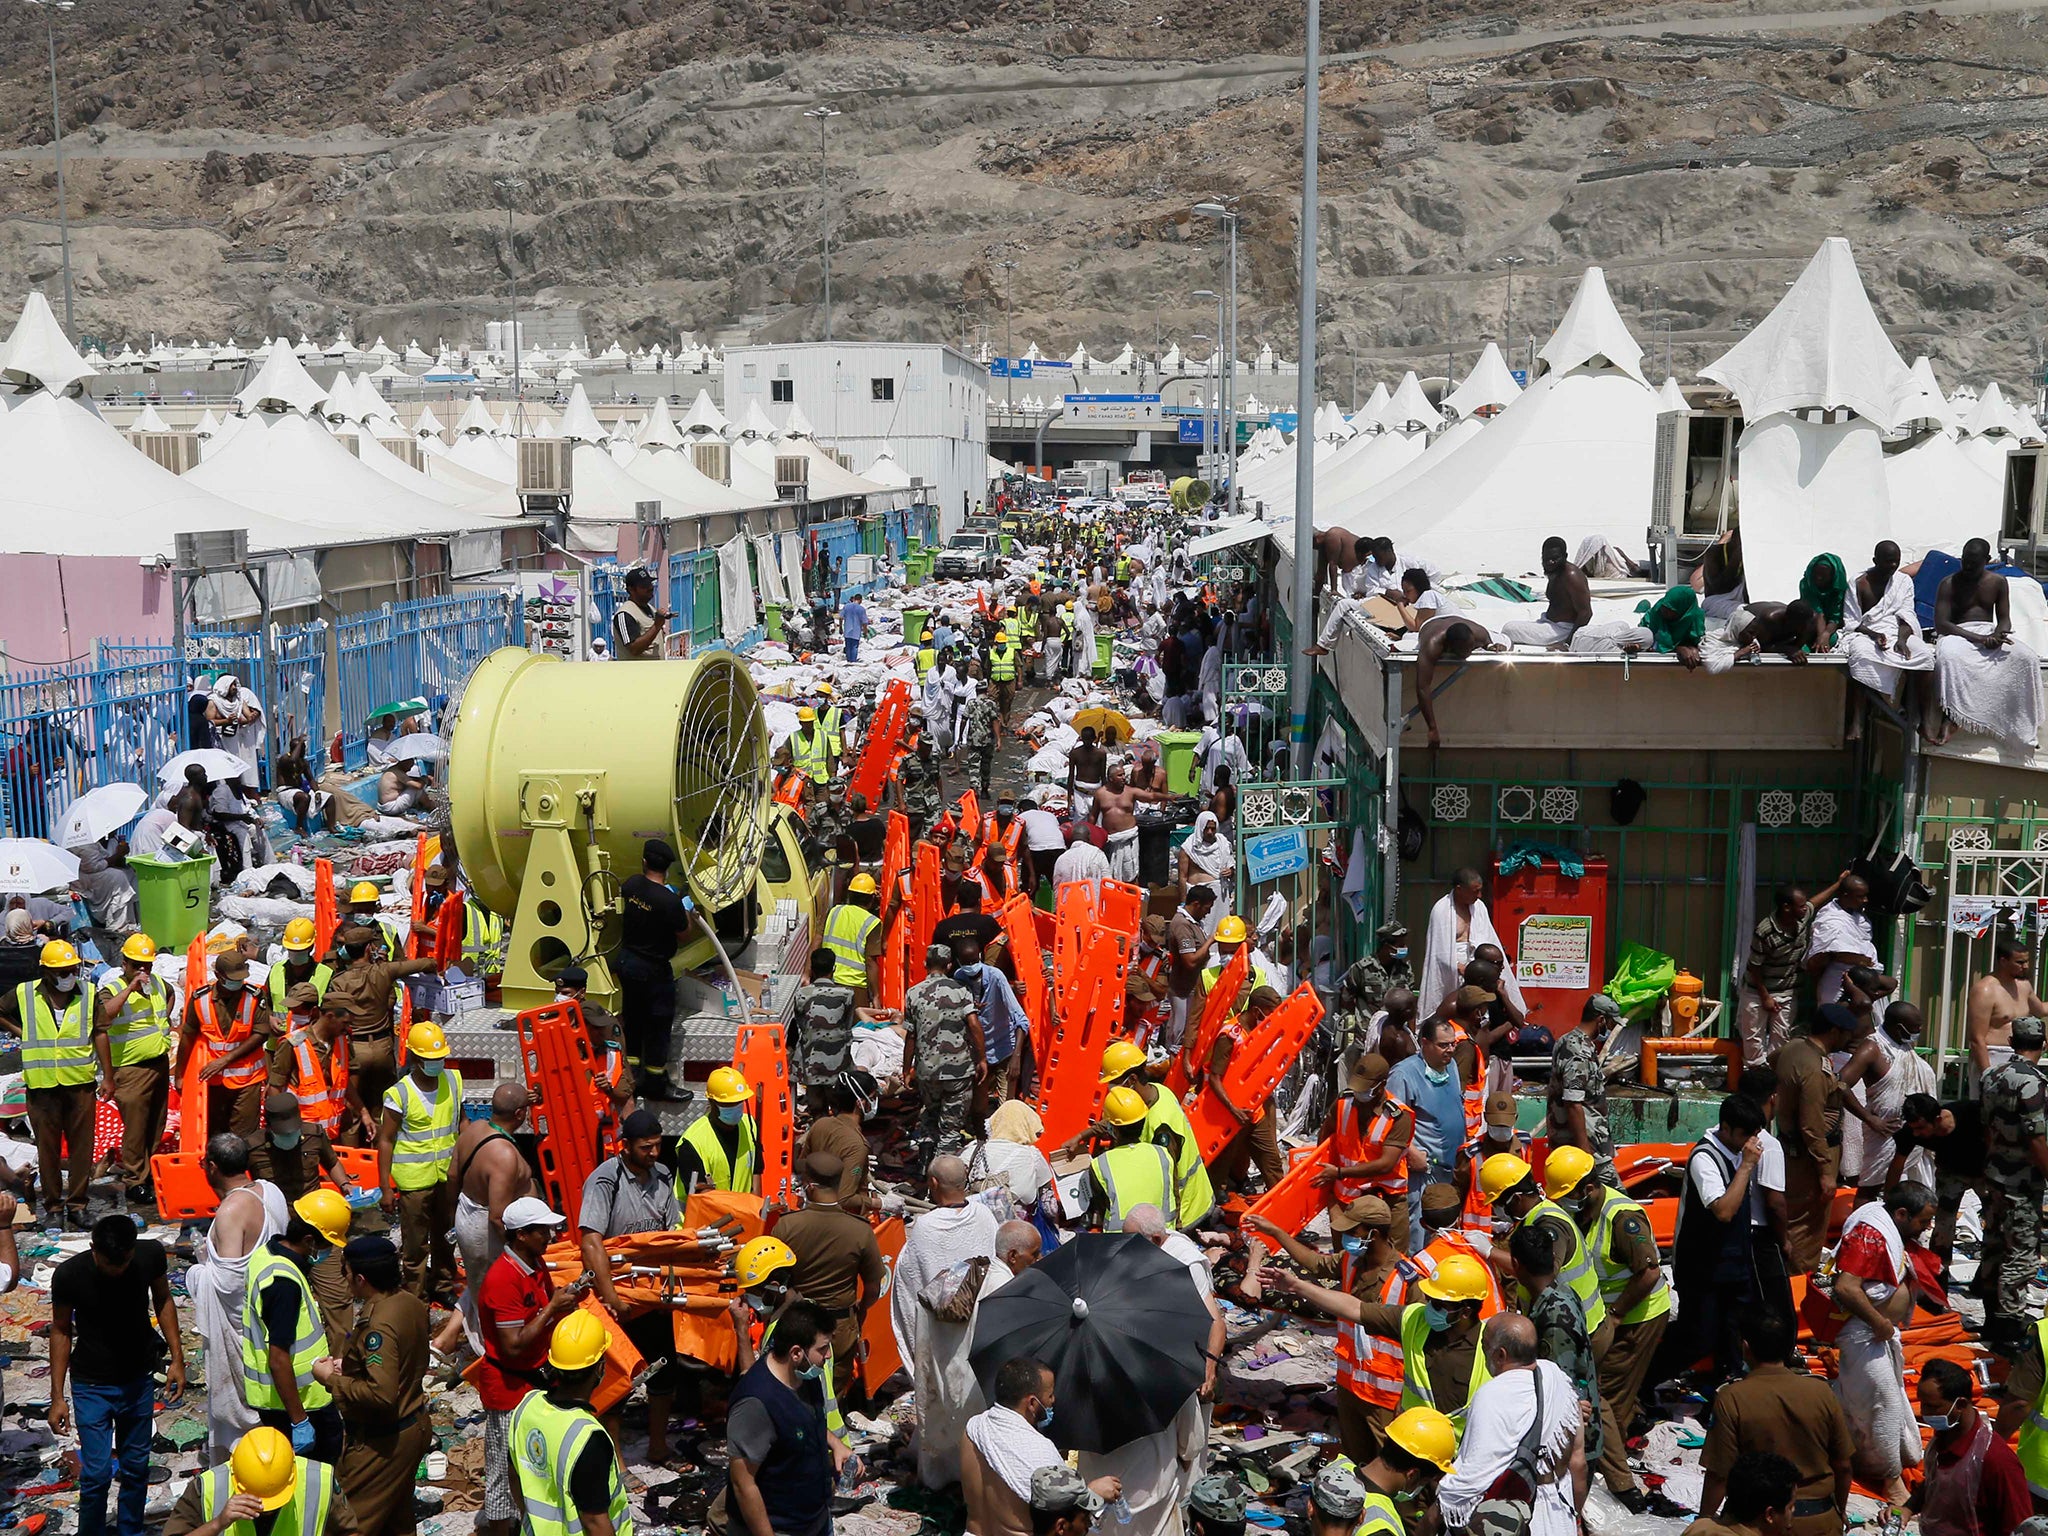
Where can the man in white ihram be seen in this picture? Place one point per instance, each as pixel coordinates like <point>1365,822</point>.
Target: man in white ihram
<point>953,1232</point>
<point>1158,1471</point>
<point>1500,1415</point>
<point>1458,925</point>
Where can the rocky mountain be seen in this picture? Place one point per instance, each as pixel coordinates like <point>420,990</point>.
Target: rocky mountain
<point>251,166</point>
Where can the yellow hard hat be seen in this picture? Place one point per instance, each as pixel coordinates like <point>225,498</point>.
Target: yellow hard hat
<point>578,1342</point>
<point>298,934</point>
<point>1501,1173</point>
<point>825,687</point>
<point>761,1258</point>
<point>58,955</point>
<point>140,948</point>
<point>728,1085</point>
<point>364,890</point>
<point>428,1041</point>
<point>862,884</point>
<point>1232,930</point>
<point>1427,1433</point>
<point>1124,1106</point>
<point>1122,1056</point>
<point>805,714</point>
<point>1565,1169</point>
<point>264,1467</point>
<point>326,1211</point>
<point>1458,1277</point>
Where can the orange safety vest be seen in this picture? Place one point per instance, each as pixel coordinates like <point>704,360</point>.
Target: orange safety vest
<point>320,1101</point>
<point>789,791</point>
<point>610,1073</point>
<point>1475,1091</point>
<point>1012,840</point>
<point>1350,1144</point>
<point>251,1070</point>
<point>989,899</point>
<point>1442,1246</point>
<point>1368,1366</point>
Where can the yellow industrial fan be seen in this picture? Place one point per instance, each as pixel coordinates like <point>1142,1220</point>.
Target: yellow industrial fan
<point>559,773</point>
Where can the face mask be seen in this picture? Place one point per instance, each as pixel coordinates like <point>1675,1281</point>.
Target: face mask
<point>1940,1423</point>
<point>1043,1422</point>
<point>1500,1133</point>
<point>810,1372</point>
<point>973,971</point>
<point>67,983</point>
<point>431,1068</point>
<point>1437,1318</point>
<point>1437,1079</point>
<point>230,987</point>
<point>760,1305</point>
<point>731,1114</point>
<point>284,1141</point>
<point>320,1257</point>
<point>1401,953</point>
<point>1353,1243</point>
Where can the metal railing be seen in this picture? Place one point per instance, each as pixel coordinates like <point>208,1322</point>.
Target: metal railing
<point>115,717</point>
<point>420,649</point>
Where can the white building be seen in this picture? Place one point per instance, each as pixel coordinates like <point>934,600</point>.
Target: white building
<point>927,404</point>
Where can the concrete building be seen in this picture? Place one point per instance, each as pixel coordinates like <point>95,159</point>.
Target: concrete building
<point>926,403</point>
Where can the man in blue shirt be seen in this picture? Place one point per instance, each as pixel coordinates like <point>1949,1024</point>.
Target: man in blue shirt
<point>1001,1015</point>
<point>1427,1083</point>
<point>853,623</point>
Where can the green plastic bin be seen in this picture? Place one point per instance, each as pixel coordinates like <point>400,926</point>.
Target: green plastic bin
<point>171,895</point>
<point>1105,654</point>
<point>913,625</point>
<point>1177,752</point>
<point>772,619</point>
<point>1003,542</point>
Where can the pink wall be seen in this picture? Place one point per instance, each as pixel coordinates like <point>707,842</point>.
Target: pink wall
<point>93,597</point>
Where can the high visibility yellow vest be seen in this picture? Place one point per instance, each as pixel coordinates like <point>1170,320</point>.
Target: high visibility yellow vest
<point>2033,1447</point>
<point>427,1128</point>
<point>1415,1388</point>
<point>809,750</point>
<point>1197,1197</point>
<point>1614,1279</point>
<point>1133,1175</point>
<point>927,658</point>
<point>733,1173</point>
<point>1380,1517</point>
<point>847,929</point>
<point>546,1442</point>
<point>275,982</point>
<point>483,939</point>
<point>56,1048</point>
<point>304,1515</point>
<point>1002,663</point>
<point>141,1031</point>
<point>1577,1271</point>
<point>259,1388</point>
<point>833,724</point>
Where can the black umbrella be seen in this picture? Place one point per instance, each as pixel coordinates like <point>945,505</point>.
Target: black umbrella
<point>1120,1324</point>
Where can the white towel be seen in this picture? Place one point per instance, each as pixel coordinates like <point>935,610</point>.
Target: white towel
<point>1990,692</point>
<point>1442,961</point>
<point>1012,1448</point>
<point>1880,670</point>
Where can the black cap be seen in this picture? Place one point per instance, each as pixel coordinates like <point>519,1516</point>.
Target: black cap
<point>572,976</point>
<point>370,1250</point>
<point>1835,1016</point>
<point>657,854</point>
<point>639,575</point>
<point>640,1125</point>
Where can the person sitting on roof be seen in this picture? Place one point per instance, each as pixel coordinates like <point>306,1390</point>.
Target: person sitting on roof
<point>1672,626</point>
<point>1449,637</point>
<point>1790,630</point>
<point>1570,608</point>
<point>1989,682</point>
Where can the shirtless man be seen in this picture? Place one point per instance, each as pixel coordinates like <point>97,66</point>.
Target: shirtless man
<point>1336,555</point>
<point>1999,998</point>
<point>249,1211</point>
<point>1783,629</point>
<point>1452,638</point>
<point>1571,603</point>
<point>1719,572</point>
<point>490,1172</point>
<point>1087,767</point>
<point>1115,808</point>
<point>1871,587</point>
<point>1973,609</point>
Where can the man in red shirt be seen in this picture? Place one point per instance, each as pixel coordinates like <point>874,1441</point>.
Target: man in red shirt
<point>517,1310</point>
<point>1975,1484</point>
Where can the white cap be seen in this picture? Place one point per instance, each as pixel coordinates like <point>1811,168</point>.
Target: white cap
<point>526,1211</point>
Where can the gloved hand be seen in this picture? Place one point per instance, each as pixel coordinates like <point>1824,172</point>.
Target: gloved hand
<point>302,1436</point>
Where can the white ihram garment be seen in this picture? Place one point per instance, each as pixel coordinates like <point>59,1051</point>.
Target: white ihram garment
<point>1443,957</point>
<point>947,1395</point>
<point>1880,670</point>
<point>218,1288</point>
<point>1992,693</point>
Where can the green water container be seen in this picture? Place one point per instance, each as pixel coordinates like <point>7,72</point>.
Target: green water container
<point>913,625</point>
<point>1177,752</point>
<point>772,619</point>
<point>171,896</point>
<point>1105,654</point>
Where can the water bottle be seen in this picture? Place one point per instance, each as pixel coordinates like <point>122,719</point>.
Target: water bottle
<point>1120,1510</point>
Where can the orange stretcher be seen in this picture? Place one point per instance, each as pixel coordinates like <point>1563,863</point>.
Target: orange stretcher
<point>1028,960</point>
<point>878,747</point>
<point>554,1049</point>
<point>326,915</point>
<point>1120,906</point>
<point>895,963</point>
<point>969,818</point>
<point>1217,1005</point>
<point>877,1331</point>
<point>1295,1201</point>
<point>1255,1071</point>
<point>928,901</point>
<point>1090,1015</point>
<point>763,1060</point>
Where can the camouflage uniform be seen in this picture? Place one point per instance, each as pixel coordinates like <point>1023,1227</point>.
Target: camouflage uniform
<point>1576,1078</point>
<point>1361,992</point>
<point>980,738</point>
<point>1561,1338</point>
<point>2015,1099</point>
<point>935,1011</point>
<point>918,781</point>
<point>824,1031</point>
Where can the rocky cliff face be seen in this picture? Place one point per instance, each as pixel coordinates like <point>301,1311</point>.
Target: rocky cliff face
<point>254,166</point>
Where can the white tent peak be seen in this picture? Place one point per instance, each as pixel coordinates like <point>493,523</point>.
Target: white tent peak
<point>886,471</point>
<point>282,383</point>
<point>1923,400</point>
<point>798,424</point>
<point>579,421</point>
<point>659,430</point>
<point>1994,414</point>
<point>1592,333</point>
<point>149,421</point>
<point>703,418</point>
<point>476,417</point>
<point>756,422</point>
<point>208,424</point>
<point>429,425</point>
<point>1372,416</point>
<point>1671,399</point>
<point>38,352</point>
<point>1488,384</point>
<point>1821,348</point>
<point>1410,407</point>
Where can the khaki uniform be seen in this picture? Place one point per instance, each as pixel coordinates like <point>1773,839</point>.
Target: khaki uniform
<point>385,1411</point>
<point>844,1141</point>
<point>1359,1423</point>
<point>1810,1126</point>
<point>837,1258</point>
<point>190,1512</point>
<point>365,994</point>
<point>1630,1352</point>
<point>297,1172</point>
<point>1796,1416</point>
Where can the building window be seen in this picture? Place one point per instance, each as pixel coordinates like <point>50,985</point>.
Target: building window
<point>882,389</point>
<point>782,390</point>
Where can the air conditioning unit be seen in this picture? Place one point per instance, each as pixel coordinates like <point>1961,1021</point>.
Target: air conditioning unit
<point>222,550</point>
<point>845,459</point>
<point>175,451</point>
<point>714,460</point>
<point>352,441</point>
<point>545,468</point>
<point>406,450</point>
<point>1667,491</point>
<point>792,477</point>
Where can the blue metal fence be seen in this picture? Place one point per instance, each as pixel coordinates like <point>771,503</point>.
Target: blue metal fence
<point>288,675</point>
<point>116,717</point>
<point>417,649</point>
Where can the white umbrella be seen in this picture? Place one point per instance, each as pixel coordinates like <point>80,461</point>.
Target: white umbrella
<point>99,811</point>
<point>220,766</point>
<point>29,865</point>
<point>418,744</point>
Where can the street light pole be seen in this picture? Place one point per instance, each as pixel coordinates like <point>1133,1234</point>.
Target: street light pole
<point>1303,608</point>
<point>509,185</point>
<point>1508,329</point>
<point>821,113</point>
<point>49,8</point>
<point>1224,209</point>
<point>1212,412</point>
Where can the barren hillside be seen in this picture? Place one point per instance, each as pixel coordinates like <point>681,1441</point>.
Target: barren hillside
<point>249,166</point>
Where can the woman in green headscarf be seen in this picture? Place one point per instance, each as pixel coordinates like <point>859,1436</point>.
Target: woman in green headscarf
<point>1824,586</point>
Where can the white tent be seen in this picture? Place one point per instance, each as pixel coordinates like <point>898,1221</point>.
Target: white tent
<point>827,479</point>
<point>1354,474</point>
<point>428,426</point>
<point>704,419</point>
<point>207,426</point>
<point>659,430</point>
<point>1372,416</point>
<point>1490,384</point>
<point>673,472</point>
<point>1923,402</point>
<point>37,352</point>
<point>885,471</point>
<point>282,383</point>
<point>605,492</point>
<point>1942,495</point>
<point>1671,399</point>
<point>1409,407</point>
<point>149,421</point>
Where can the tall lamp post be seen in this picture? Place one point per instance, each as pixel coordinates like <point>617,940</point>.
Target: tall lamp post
<point>823,114</point>
<point>1225,210</point>
<point>998,256</point>
<point>1299,665</point>
<point>1508,327</point>
<point>1216,354</point>
<point>49,8</point>
<point>509,185</point>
